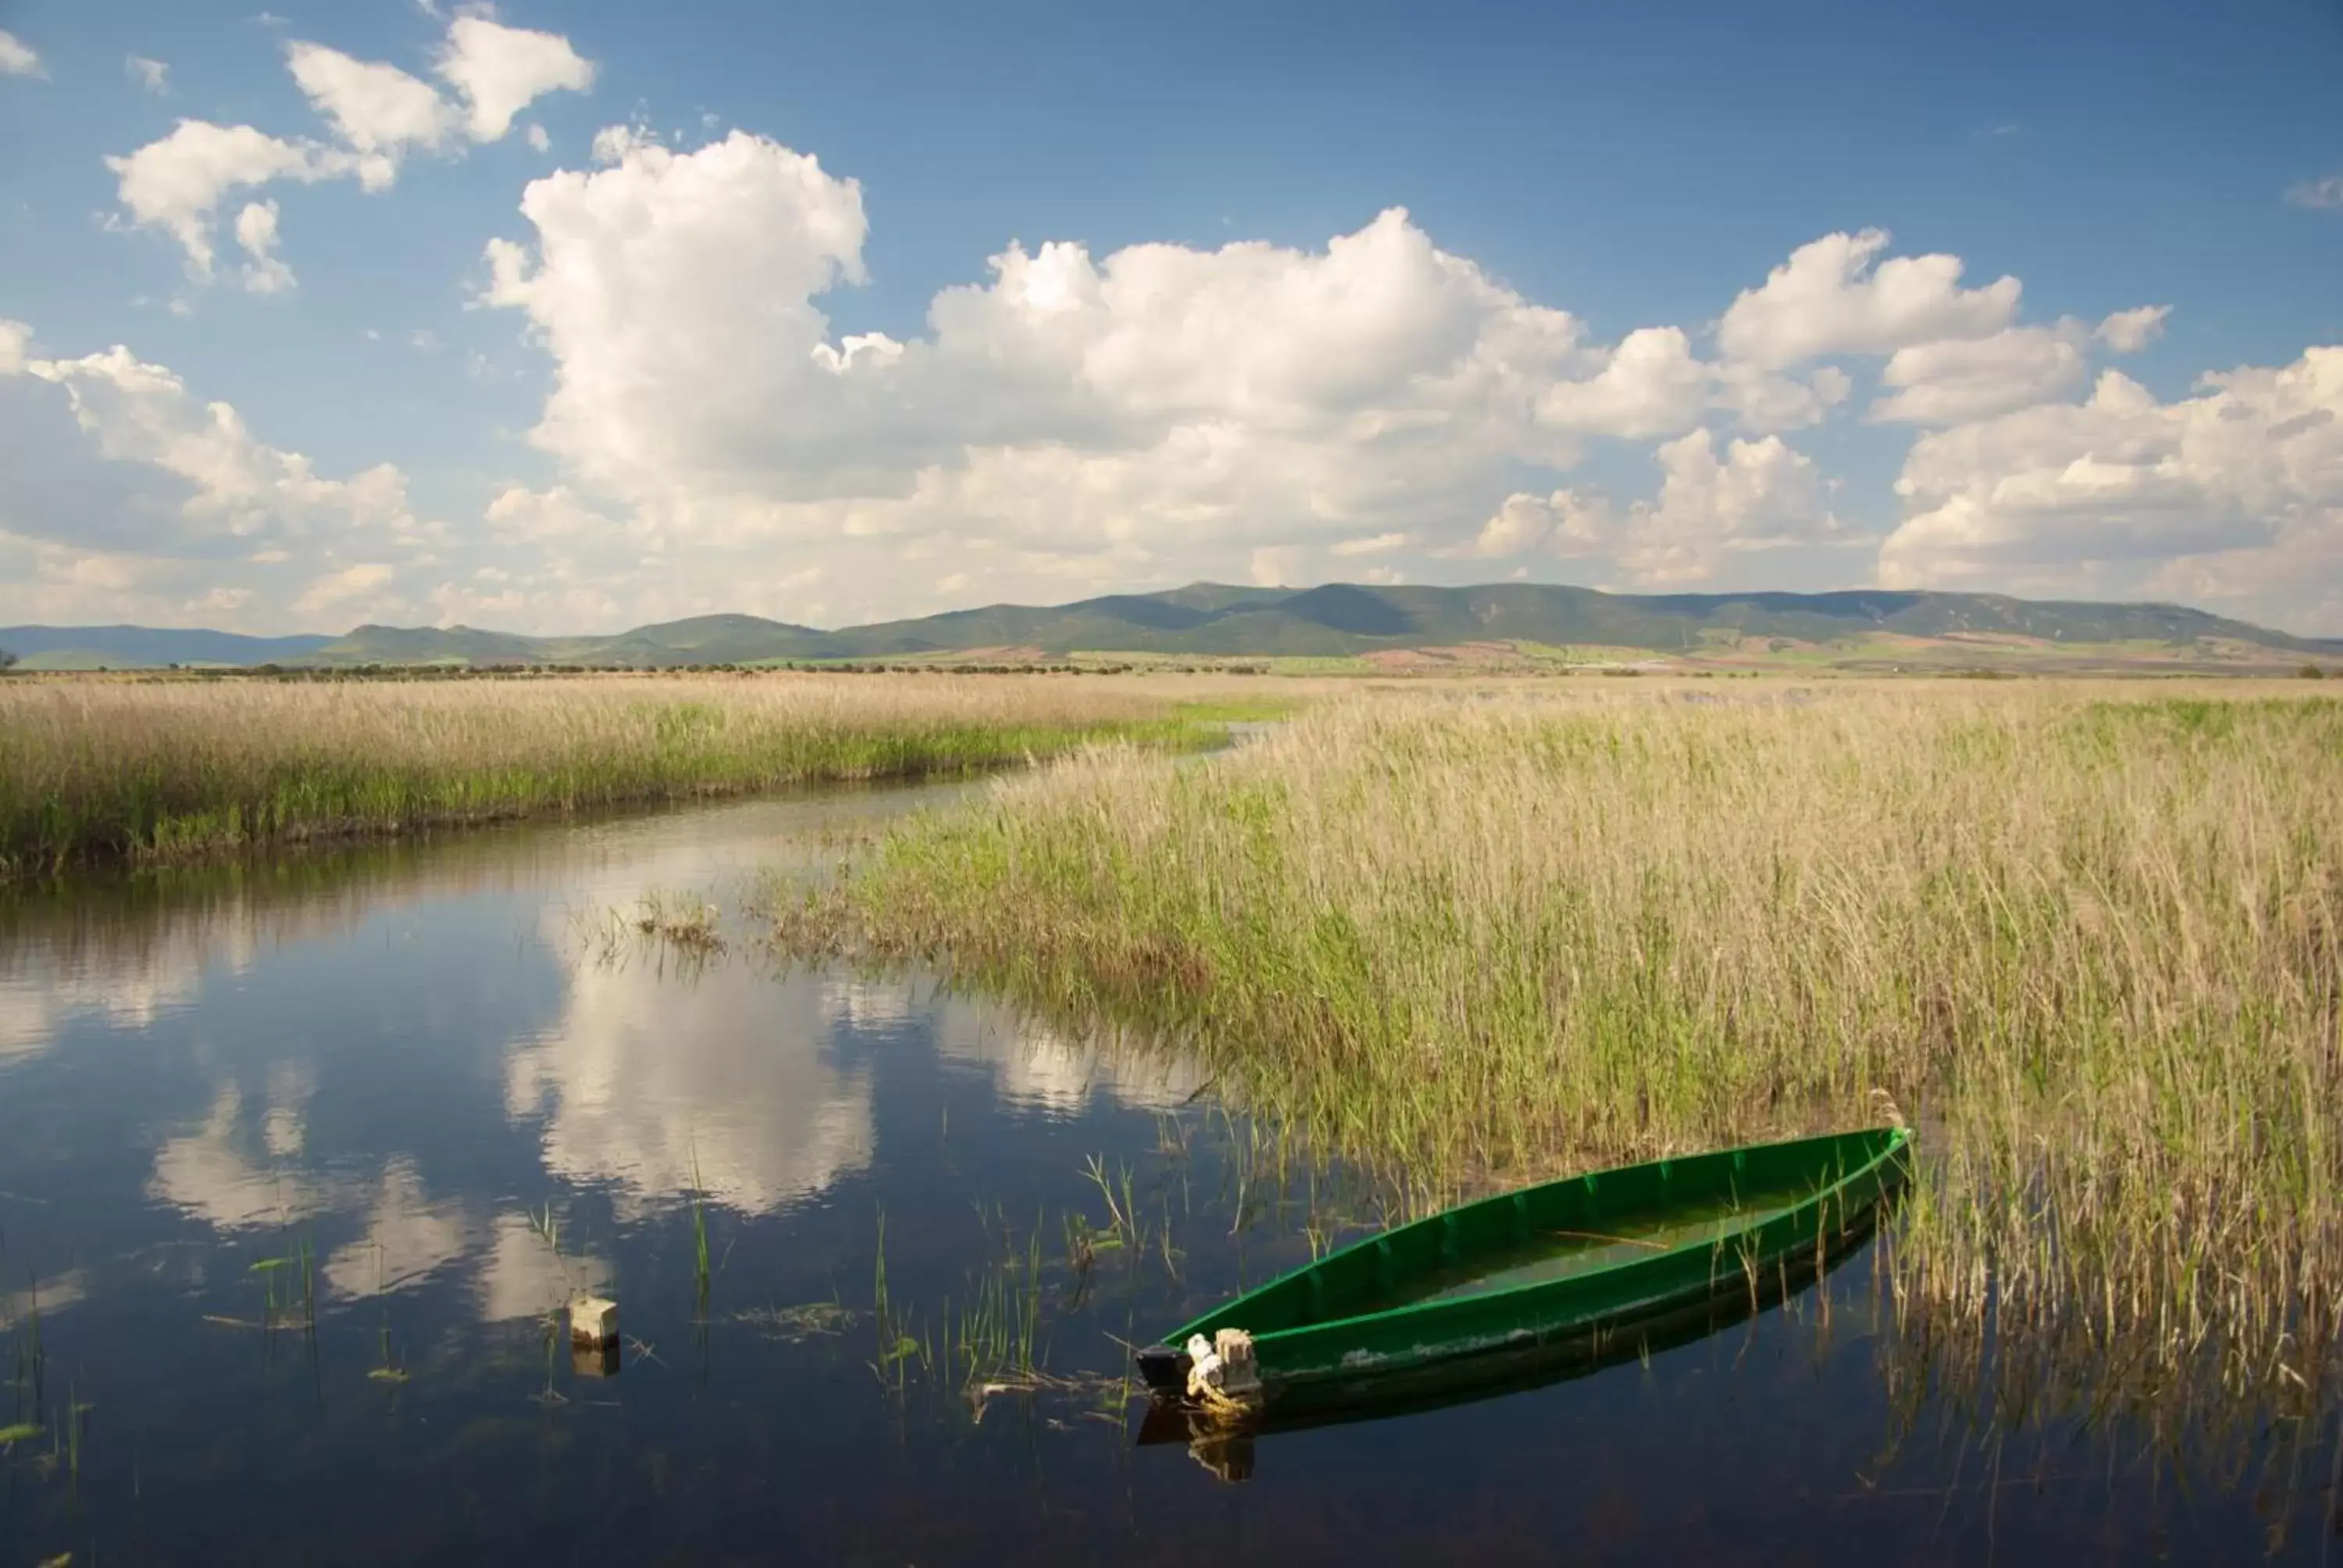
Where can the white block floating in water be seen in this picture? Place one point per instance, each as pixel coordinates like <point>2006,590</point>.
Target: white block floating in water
<point>593,1321</point>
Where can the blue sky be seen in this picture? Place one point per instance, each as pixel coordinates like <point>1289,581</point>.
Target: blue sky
<point>1682,296</point>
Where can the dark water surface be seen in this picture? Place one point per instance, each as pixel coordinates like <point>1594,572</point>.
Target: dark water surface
<point>399,1063</point>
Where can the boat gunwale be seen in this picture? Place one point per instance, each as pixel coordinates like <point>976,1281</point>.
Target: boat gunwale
<point>1898,1140</point>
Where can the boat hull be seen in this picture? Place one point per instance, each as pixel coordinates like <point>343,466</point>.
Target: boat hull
<point>1331,1322</point>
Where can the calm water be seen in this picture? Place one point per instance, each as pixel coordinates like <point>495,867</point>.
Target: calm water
<point>401,1063</point>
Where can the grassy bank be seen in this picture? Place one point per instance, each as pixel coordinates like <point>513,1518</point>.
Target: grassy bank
<point>159,770</point>
<point>2092,942</point>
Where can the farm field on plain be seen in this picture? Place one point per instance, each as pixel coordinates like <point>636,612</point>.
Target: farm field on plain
<point>2088,936</point>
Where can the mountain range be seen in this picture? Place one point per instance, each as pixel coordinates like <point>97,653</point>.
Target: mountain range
<point>1335,620</point>
<point>147,647</point>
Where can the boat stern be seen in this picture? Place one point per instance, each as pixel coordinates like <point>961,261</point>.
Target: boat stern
<point>1165,1370</point>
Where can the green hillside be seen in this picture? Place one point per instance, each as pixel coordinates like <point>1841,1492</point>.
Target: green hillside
<point>145,647</point>
<point>1342,618</point>
<point>1336,621</point>
<point>703,639</point>
<point>429,645</point>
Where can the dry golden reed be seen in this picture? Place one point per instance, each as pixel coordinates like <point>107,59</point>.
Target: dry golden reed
<point>2089,939</point>
<point>155,769</point>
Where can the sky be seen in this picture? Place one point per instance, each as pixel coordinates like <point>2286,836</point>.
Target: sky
<point>566,317</point>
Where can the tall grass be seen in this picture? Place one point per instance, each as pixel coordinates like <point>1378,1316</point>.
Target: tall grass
<point>2092,943</point>
<point>152,771</point>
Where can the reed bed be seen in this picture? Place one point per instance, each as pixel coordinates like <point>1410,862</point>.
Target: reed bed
<point>159,770</point>
<point>2091,941</point>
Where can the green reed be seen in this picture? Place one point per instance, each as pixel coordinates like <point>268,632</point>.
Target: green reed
<point>29,1360</point>
<point>2093,943</point>
<point>701,1277</point>
<point>158,771</point>
<point>289,1287</point>
<point>385,1370</point>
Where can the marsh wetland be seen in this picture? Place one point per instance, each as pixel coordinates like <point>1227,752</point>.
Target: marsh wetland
<point>892,1115</point>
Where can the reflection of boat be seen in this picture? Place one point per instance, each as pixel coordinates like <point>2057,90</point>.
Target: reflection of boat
<point>1222,1441</point>
<point>1605,1255</point>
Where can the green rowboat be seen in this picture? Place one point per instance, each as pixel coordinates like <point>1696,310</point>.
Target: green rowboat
<point>1577,1259</point>
<point>1223,1441</point>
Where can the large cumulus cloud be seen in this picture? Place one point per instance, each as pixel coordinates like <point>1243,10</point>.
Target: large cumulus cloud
<point>2232,496</point>
<point>1071,419</point>
<point>724,429</point>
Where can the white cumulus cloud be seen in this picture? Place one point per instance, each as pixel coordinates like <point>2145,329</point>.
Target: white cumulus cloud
<point>378,111</point>
<point>264,271</point>
<point>1835,296</point>
<point>2235,494</point>
<point>332,590</point>
<point>377,114</point>
<point>2319,193</point>
<point>1651,385</point>
<point>152,75</point>
<point>1958,378</point>
<point>724,429</point>
<point>1076,421</point>
<point>1072,418</point>
<point>125,496</point>
<point>1756,495</point>
<point>176,185</point>
<point>2129,331</point>
<point>138,412</point>
<point>500,70</point>
<point>1521,522</point>
<point>18,58</point>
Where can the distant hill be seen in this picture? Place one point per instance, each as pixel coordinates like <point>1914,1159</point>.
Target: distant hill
<point>703,639</point>
<point>1336,621</point>
<point>429,645</point>
<point>145,647</point>
<point>1341,619</point>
